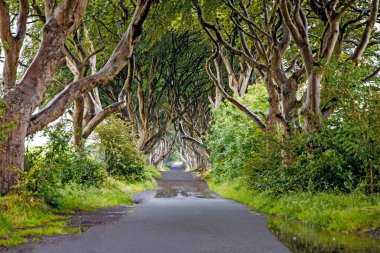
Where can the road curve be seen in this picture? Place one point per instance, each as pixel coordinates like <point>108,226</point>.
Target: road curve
<point>181,216</point>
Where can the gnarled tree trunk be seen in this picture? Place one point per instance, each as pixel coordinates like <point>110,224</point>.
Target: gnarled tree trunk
<point>24,98</point>
<point>12,156</point>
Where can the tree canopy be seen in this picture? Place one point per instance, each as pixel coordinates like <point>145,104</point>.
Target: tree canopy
<point>171,70</point>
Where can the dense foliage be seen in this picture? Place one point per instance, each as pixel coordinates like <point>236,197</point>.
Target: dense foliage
<point>53,166</point>
<point>117,145</point>
<point>58,164</point>
<point>233,138</point>
<point>342,155</point>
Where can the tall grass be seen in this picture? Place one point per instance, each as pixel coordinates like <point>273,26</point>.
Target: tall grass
<point>113,193</point>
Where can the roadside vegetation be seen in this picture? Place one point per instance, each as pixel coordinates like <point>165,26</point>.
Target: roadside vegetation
<point>333,186</point>
<point>60,179</point>
<point>354,212</point>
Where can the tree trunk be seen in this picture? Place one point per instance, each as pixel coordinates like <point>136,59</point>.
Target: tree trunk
<point>78,121</point>
<point>12,153</point>
<point>10,65</point>
<point>312,103</point>
<point>289,100</point>
<point>274,103</point>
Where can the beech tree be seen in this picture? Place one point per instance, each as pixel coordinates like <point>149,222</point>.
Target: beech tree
<point>160,91</point>
<point>23,96</point>
<point>289,44</point>
<point>193,128</point>
<point>193,91</point>
<point>149,105</point>
<point>163,149</point>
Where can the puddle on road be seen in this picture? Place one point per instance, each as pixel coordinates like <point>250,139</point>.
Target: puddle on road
<point>178,189</point>
<point>302,239</point>
<point>173,192</point>
<point>181,184</point>
<point>166,193</point>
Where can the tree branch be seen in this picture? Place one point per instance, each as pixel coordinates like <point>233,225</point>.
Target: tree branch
<point>99,117</point>
<point>117,61</point>
<point>369,78</point>
<point>198,143</point>
<point>364,40</point>
<point>244,109</point>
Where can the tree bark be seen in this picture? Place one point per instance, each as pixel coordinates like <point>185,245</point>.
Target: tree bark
<point>118,60</point>
<point>12,157</point>
<point>99,117</point>
<point>78,120</point>
<point>364,40</point>
<point>312,103</point>
<point>24,98</point>
<point>12,44</point>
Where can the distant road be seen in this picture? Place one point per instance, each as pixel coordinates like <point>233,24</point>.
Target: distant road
<point>181,216</point>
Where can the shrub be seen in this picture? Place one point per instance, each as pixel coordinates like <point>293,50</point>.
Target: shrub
<point>57,164</point>
<point>116,142</point>
<point>233,137</point>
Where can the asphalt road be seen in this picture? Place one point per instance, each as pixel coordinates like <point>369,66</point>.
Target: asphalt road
<point>181,216</point>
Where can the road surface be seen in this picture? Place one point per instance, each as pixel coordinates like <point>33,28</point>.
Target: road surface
<point>181,216</point>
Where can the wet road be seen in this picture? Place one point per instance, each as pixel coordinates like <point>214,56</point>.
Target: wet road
<point>181,216</point>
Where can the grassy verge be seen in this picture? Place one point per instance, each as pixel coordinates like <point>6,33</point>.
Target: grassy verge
<point>113,193</point>
<point>24,218</point>
<point>335,212</point>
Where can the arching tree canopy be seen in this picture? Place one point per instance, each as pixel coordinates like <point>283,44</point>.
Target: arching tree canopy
<point>171,68</point>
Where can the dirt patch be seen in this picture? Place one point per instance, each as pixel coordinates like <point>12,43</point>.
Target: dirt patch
<point>85,219</point>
